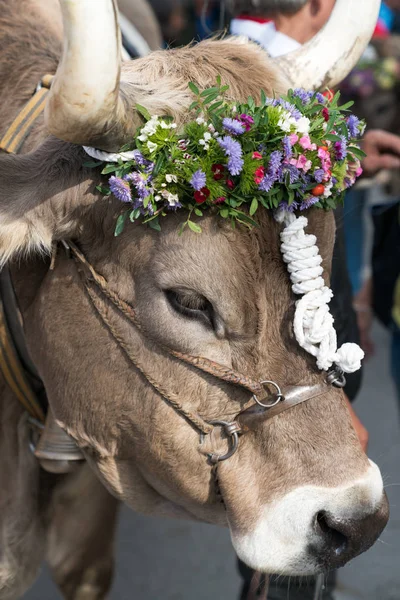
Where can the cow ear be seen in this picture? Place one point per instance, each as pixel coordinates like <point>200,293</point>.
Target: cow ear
<point>42,197</point>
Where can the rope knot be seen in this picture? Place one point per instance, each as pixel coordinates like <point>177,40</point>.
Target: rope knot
<point>313,322</point>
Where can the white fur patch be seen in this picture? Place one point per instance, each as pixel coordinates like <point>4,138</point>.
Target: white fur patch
<point>280,540</point>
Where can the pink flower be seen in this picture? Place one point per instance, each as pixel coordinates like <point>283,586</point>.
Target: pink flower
<point>259,175</point>
<point>322,153</point>
<point>293,138</point>
<point>306,144</point>
<point>219,200</point>
<point>301,163</point>
<point>257,156</point>
<point>359,172</point>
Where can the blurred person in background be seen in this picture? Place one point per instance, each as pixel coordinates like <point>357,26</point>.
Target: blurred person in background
<point>281,26</point>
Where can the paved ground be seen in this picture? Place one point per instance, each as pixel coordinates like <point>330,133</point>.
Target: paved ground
<point>171,560</point>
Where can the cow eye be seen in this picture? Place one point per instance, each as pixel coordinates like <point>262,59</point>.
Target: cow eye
<point>192,305</point>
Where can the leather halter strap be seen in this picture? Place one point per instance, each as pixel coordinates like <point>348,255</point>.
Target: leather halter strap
<point>15,363</point>
<point>290,397</point>
<point>21,127</point>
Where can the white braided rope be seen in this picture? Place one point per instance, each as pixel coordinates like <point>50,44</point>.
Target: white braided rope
<point>110,156</point>
<point>313,322</point>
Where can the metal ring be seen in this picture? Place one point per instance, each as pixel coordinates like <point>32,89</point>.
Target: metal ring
<point>336,378</point>
<point>279,395</point>
<point>233,435</point>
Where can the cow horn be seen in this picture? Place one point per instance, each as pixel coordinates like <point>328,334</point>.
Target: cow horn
<point>85,104</point>
<point>328,58</point>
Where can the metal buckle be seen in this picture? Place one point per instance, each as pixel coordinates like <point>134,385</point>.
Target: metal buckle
<point>279,395</point>
<point>336,378</point>
<point>232,430</point>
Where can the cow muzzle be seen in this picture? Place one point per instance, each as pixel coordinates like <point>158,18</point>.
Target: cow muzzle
<point>313,529</point>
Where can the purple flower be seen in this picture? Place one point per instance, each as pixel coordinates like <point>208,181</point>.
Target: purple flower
<point>352,124</point>
<point>141,161</point>
<point>295,113</point>
<point>198,180</point>
<point>233,126</point>
<point>120,188</point>
<point>341,148</point>
<point>287,147</point>
<point>247,121</point>
<point>273,171</point>
<point>308,202</point>
<point>319,175</point>
<point>285,206</point>
<point>140,184</point>
<point>233,150</point>
<point>304,96</point>
<point>320,98</point>
<point>290,170</point>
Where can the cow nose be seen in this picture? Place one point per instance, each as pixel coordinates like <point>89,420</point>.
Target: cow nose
<point>341,539</point>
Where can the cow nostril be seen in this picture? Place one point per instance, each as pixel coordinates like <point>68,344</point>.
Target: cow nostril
<point>328,529</point>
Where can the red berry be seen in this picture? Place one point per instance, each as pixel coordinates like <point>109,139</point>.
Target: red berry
<point>318,190</point>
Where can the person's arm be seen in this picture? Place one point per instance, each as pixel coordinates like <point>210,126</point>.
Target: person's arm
<point>382,149</point>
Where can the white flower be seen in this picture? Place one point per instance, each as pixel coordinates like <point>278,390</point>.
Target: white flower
<point>151,126</point>
<point>328,188</point>
<point>211,128</point>
<point>204,144</point>
<point>286,121</point>
<point>165,125</point>
<point>303,125</point>
<point>200,121</point>
<point>164,185</point>
<point>207,136</point>
<point>152,146</point>
<point>142,138</point>
<point>169,178</point>
<point>173,125</point>
<point>157,198</point>
<point>173,199</point>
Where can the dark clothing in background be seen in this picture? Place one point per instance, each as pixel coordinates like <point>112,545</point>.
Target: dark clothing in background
<point>342,303</point>
<point>302,588</point>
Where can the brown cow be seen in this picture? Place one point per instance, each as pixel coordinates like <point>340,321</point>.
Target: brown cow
<point>299,495</point>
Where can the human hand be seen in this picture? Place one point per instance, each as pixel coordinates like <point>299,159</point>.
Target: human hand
<point>382,149</point>
<point>361,431</point>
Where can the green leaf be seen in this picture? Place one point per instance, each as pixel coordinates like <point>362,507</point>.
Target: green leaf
<point>208,91</point>
<point>194,105</point>
<point>198,212</point>
<point>159,164</point>
<point>91,164</point>
<point>224,212</point>
<point>154,224</point>
<point>357,152</point>
<point>215,105</point>
<point>103,190</point>
<point>211,97</point>
<point>333,138</point>
<point>193,88</point>
<point>110,169</point>
<point>253,206</point>
<point>119,226</point>
<point>194,227</point>
<point>346,106</point>
<point>263,98</point>
<point>143,111</point>
<point>218,80</point>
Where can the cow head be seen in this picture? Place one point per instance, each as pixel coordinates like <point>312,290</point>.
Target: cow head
<point>299,495</point>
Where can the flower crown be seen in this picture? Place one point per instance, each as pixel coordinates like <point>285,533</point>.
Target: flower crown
<point>289,153</point>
